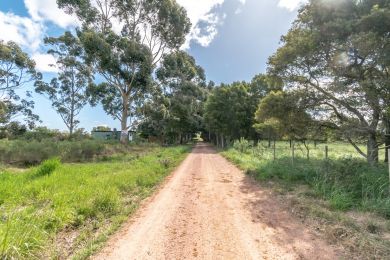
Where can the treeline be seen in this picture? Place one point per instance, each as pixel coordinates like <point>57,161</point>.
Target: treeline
<point>124,56</point>
<point>329,80</point>
<point>334,64</point>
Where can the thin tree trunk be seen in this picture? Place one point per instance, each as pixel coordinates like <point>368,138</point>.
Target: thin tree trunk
<point>125,115</point>
<point>372,149</point>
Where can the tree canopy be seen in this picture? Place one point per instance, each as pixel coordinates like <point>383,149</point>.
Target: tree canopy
<point>124,40</point>
<point>176,108</point>
<point>67,92</point>
<point>16,71</point>
<point>337,52</point>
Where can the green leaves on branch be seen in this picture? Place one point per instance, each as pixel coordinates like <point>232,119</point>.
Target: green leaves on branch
<point>16,71</point>
<point>176,108</point>
<point>67,91</point>
<point>337,53</point>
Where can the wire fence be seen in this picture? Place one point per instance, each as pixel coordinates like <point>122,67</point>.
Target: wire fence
<point>299,150</point>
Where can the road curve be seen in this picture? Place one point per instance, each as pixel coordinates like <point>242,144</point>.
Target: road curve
<point>209,209</point>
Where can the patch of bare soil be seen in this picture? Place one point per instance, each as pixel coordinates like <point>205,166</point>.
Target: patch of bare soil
<point>209,209</point>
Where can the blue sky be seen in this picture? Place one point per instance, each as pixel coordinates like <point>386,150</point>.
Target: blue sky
<point>230,39</point>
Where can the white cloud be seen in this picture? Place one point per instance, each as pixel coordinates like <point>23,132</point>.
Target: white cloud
<point>291,5</point>
<point>21,30</point>
<point>44,62</point>
<point>47,10</point>
<point>206,29</point>
<point>199,12</point>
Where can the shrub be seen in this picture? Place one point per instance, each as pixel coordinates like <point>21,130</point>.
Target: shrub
<point>242,145</point>
<point>21,152</point>
<point>48,167</point>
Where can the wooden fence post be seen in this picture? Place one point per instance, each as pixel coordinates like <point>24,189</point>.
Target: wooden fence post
<point>274,150</point>
<point>326,152</point>
<point>292,152</point>
<point>326,159</point>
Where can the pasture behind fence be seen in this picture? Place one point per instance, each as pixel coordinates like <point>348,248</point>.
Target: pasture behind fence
<point>334,171</point>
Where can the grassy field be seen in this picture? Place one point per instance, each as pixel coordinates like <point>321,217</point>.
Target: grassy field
<point>57,209</point>
<point>345,179</point>
<point>343,197</point>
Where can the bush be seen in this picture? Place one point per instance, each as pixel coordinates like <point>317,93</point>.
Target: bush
<point>242,145</point>
<point>48,167</point>
<point>25,153</point>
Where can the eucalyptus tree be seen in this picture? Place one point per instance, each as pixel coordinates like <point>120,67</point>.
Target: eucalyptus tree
<point>284,115</point>
<point>176,110</point>
<point>337,52</point>
<point>17,71</point>
<point>124,41</point>
<point>229,111</point>
<point>67,91</point>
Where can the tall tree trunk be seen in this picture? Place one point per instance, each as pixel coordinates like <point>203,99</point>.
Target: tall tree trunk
<point>372,149</point>
<point>125,114</point>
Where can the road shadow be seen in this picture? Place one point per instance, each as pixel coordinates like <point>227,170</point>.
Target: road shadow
<point>289,232</point>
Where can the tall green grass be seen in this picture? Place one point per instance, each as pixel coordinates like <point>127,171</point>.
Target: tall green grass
<point>31,152</point>
<point>39,204</point>
<point>345,180</point>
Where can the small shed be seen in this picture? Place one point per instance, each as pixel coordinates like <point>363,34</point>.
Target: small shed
<point>110,135</point>
<point>106,135</point>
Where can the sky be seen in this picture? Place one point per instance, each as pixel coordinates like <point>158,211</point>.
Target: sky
<point>230,39</point>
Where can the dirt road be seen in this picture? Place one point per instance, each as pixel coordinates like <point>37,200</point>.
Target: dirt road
<point>209,209</point>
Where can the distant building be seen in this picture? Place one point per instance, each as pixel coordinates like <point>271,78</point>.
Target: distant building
<point>109,135</point>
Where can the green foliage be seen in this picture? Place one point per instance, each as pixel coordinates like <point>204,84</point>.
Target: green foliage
<point>47,167</point>
<point>346,182</point>
<point>41,133</point>
<point>88,198</point>
<point>176,110</point>
<point>230,109</point>
<point>283,115</point>
<point>242,145</point>
<point>149,30</point>
<point>101,128</point>
<point>336,54</point>
<point>67,91</point>
<point>21,152</point>
<point>16,70</point>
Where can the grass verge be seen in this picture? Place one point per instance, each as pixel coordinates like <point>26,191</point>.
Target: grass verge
<point>343,198</point>
<point>67,210</point>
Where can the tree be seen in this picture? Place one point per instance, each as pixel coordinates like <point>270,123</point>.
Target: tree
<point>16,71</point>
<point>229,112</point>
<point>230,109</point>
<point>148,29</point>
<point>127,70</point>
<point>282,114</point>
<point>176,109</point>
<point>337,53</point>
<point>67,92</point>
<point>101,128</point>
